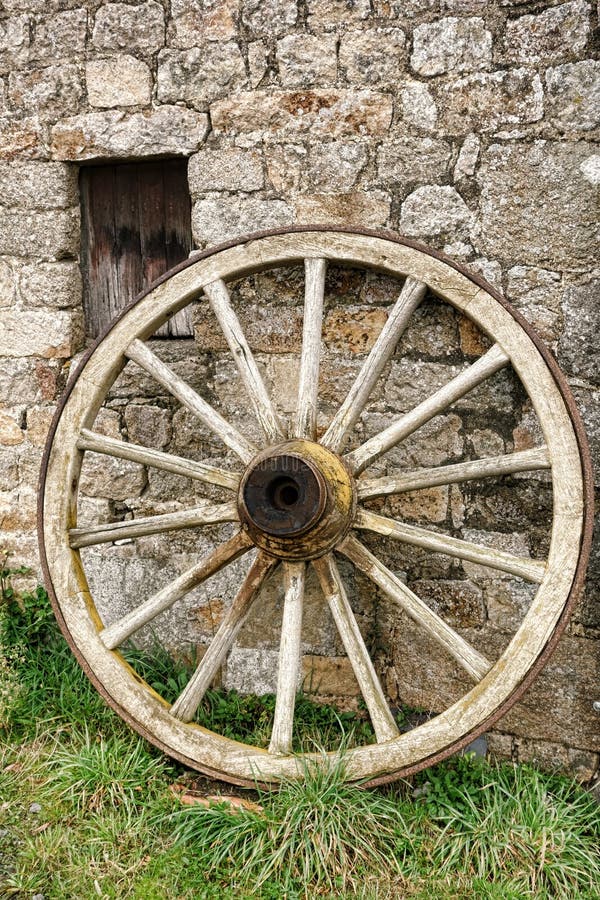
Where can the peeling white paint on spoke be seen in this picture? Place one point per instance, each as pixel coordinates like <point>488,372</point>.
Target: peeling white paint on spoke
<point>224,554</point>
<point>184,518</point>
<point>157,459</point>
<point>289,658</point>
<point>345,620</point>
<point>308,387</point>
<point>371,450</point>
<point>523,461</point>
<point>220,303</point>
<point>188,701</point>
<point>529,569</point>
<point>411,295</point>
<point>144,357</point>
<point>470,659</point>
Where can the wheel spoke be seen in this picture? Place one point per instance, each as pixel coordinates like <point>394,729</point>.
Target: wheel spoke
<point>345,620</point>
<point>184,518</point>
<point>144,357</point>
<point>188,701</point>
<point>469,658</point>
<point>289,658</point>
<point>224,554</point>
<point>220,303</point>
<point>529,569</point>
<point>308,386</point>
<point>411,295</point>
<point>525,461</point>
<point>367,453</point>
<point>167,462</point>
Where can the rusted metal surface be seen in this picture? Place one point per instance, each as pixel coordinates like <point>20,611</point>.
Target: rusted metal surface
<point>297,500</point>
<point>283,495</point>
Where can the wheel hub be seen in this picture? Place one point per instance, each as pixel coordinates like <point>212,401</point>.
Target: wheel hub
<point>285,494</point>
<point>296,500</point>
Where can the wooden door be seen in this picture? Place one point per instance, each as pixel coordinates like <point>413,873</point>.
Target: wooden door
<point>135,225</point>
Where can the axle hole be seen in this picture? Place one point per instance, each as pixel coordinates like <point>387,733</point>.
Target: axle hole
<point>283,493</point>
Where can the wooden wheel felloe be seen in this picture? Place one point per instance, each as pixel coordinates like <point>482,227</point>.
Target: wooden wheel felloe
<point>302,497</point>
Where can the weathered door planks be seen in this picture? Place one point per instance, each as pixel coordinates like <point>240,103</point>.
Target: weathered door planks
<point>136,225</point>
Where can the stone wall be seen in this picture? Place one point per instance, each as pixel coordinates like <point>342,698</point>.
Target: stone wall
<point>470,125</point>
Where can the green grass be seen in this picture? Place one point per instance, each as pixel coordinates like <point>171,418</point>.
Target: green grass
<point>320,832</point>
<point>93,772</point>
<point>105,823</point>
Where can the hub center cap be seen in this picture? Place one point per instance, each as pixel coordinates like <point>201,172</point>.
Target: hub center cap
<point>284,494</point>
<point>296,500</point>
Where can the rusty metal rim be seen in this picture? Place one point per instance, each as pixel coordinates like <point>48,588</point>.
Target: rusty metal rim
<point>588,502</point>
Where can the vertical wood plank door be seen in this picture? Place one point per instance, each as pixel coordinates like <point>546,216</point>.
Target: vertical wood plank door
<point>135,226</point>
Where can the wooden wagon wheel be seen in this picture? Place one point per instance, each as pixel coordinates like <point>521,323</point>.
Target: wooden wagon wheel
<point>300,501</point>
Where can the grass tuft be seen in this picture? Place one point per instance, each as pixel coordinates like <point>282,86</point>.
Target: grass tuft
<point>534,828</point>
<point>318,833</point>
<point>96,772</point>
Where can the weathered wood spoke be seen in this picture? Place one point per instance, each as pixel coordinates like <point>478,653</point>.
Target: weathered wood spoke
<point>470,659</point>
<point>184,518</point>
<point>411,295</point>
<point>220,303</point>
<point>524,461</point>
<point>289,658</point>
<point>224,554</point>
<point>487,365</point>
<point>144,357</point>
<point>308,387</point>
<point>157,459</point>
<point>188,701</point>
<point>529,569</point>
<point>345,620</point>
